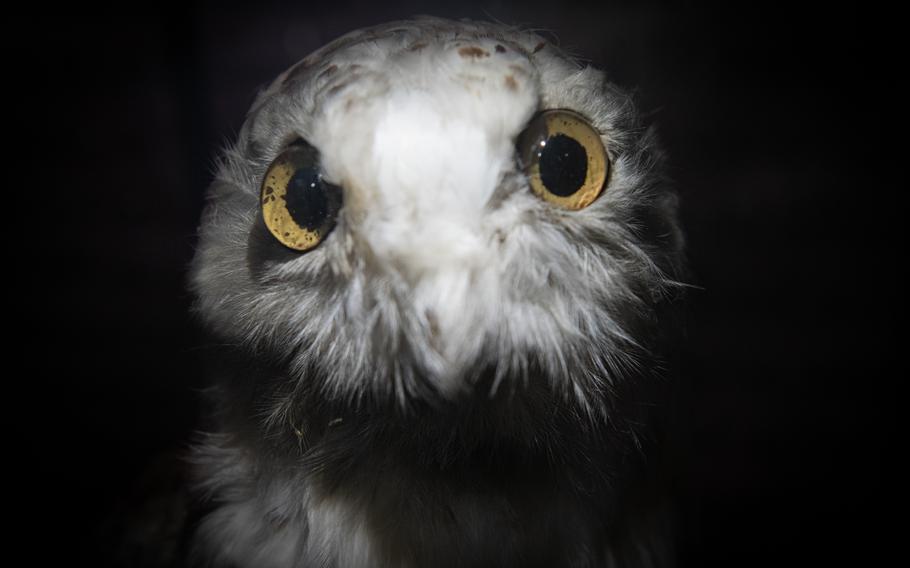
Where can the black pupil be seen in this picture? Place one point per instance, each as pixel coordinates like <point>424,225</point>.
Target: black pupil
<point>563,165</point>
<point>306,199</point>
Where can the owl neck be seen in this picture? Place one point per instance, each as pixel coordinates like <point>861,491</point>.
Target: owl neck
<point>524,432</point>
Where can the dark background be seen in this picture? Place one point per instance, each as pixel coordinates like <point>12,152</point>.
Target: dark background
<point>782,126</point>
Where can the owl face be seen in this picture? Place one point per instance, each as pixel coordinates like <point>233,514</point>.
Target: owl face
<point>425,207</point>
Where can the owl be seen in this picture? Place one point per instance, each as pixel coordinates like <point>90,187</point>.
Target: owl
<point>436,265</point>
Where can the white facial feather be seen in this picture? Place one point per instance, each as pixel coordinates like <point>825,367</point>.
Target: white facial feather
<point>420,165</point>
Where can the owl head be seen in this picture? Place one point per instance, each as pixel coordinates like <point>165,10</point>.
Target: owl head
<point>426,208</point>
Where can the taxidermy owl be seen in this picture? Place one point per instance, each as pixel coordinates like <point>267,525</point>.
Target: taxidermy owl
<point>435,263</point>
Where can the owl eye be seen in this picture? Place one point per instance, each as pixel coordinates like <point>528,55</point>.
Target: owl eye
<point>298,206</point>
<point>564,159</point>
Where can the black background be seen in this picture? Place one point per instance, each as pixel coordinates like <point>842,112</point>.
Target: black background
<point>782,125</point>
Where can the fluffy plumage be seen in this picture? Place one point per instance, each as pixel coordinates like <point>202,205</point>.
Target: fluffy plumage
<point>458,374</point>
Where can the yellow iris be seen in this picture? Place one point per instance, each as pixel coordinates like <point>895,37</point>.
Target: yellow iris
<point>298,207</point>
<point>565,159</point>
